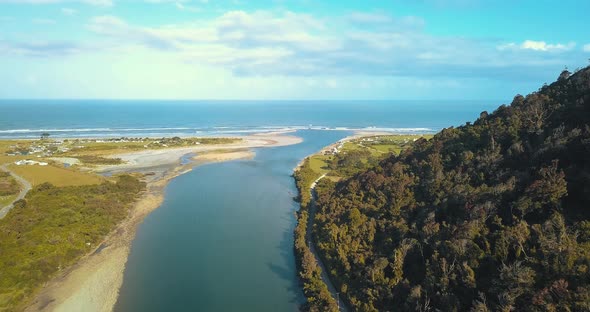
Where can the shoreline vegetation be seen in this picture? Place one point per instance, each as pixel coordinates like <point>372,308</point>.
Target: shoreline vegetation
<point>79,266</point>
<point>334,162</point>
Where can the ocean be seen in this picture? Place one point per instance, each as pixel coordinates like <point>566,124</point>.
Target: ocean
<point>137,118</point>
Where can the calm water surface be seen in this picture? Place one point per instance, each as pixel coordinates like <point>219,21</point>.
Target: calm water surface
<point>223,238</point>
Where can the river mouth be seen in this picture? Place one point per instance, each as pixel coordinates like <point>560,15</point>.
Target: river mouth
<point>222,240</point>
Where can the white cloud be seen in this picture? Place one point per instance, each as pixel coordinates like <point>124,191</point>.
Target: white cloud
<point>41,48</point>
<point>165,38</point>
<point>68,11</point>
<point>538,46</point>
<point>267,43</point>
<point>587,47</point>
<point>284,43</point>
<point>543,46</point>
<point>104,24</point>
<point>31,1</point>
<point>104,3</point>
<point>363,17</point>
<point>183,7</point>
<point>382,20</point>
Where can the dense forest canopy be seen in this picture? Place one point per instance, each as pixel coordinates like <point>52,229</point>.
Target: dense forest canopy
<point>493,215</point>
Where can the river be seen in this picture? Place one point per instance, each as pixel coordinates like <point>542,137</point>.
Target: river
<point>223,238</point>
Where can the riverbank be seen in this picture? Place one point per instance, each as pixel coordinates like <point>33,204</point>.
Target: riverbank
<point>312,207</point>
<point>93,283</point>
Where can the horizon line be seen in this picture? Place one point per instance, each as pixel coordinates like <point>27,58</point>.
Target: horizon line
<point>241,100</point>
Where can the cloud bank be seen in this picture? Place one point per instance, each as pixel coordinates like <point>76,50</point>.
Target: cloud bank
<point>266,43</point>
<point>270,49</point>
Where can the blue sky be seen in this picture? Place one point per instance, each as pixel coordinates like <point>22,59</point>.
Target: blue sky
<point>282,49</point>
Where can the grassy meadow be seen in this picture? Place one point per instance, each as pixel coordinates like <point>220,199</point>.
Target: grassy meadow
<point>57,176</point>
<point>52,228</point>
<point>358,154</point>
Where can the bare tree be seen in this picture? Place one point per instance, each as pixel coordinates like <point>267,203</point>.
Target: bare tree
<point>536,111</point>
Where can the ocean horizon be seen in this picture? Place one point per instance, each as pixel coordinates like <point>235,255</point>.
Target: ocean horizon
<point>165,118</point>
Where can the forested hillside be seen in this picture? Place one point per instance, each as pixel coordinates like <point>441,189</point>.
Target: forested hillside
<point>490,216</point>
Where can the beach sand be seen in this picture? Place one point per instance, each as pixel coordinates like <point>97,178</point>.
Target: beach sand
<point>223,156</point>
<point>93,283</point>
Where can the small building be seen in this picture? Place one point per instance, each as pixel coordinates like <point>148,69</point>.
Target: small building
<point>30,163</point>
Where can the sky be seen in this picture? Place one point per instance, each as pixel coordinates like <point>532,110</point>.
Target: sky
<point>288,49</point>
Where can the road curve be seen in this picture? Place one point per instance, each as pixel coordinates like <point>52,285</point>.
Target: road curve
<point>311,245</point>
<point>26,187</point>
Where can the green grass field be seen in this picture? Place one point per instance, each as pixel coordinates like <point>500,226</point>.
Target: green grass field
<point>5,200</point>
<point>386,148</point>
<point>57,176</point>
<point>367,149</point>
<point>319,163</point>
<point>8,185</point>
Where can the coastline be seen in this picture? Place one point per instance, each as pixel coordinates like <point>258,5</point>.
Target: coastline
<point>93,283</point>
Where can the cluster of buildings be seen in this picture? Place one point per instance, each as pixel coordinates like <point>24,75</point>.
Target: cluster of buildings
<point>335,150</point>
<point>45,149</point>
<point>30,163</point>
<point>165,142</point>
<point>150,142</point>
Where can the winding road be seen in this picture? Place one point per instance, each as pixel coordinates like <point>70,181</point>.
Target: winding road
<point>26,187</point>
<point>311,245</point>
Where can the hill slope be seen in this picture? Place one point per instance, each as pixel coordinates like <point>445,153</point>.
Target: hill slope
<point>489,216</point>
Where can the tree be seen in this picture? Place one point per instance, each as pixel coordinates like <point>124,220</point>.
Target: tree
<point>565,74</point>
<point>536,111</point>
